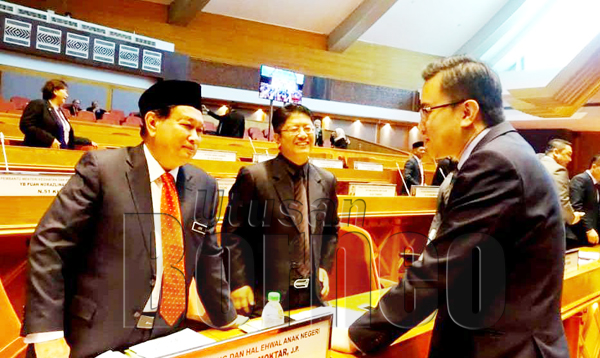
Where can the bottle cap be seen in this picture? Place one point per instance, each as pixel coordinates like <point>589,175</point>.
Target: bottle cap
<point>274,296</point>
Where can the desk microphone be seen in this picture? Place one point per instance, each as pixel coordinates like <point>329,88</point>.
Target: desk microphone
<point>4,151</point>
<point>402,177</point>
<point>252,144</point>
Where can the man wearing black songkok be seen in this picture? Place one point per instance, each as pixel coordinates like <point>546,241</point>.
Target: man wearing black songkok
<point>105,272</point>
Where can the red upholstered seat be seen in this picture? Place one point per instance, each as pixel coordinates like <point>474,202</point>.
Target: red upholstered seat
<point>20,102</point>
<point>7,107</point>
<point>110,118</point>
<point>266,134</point>
<point>255,133</point>
<point>120,115</point>
<point>209,127</point>
<point>132,121</point>
<point>86,116</point>
<point>354,270</point>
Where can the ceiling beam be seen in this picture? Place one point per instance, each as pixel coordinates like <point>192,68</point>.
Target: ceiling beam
<point>182,12</point>
<point>357,23</point>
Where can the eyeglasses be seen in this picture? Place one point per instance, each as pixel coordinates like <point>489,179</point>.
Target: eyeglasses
<point>296,130</point>
<point>426,111</point>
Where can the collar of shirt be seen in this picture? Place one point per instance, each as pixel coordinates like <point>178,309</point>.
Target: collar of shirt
<point>292,168</point>
<point>469,149</point>
<point>155,169</point>
<point>591,176</point>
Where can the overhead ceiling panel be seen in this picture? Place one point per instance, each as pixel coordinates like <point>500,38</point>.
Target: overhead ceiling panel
<point>435,27</point>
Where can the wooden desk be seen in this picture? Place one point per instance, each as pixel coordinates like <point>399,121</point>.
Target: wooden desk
<point>107,135</point>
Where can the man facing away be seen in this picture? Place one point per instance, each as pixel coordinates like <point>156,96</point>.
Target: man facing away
<point>281,223</point>
<point>502,217</point>
<point>104,271</point>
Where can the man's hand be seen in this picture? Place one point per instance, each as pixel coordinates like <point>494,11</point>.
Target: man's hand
<point>592,236</point>
<point>55,144</point>
<point>243,299</point>
<point>57,348</point>
<point>204,109</point>
<point>340,341</point>
<point>324,278</point>
<point>578,216</point>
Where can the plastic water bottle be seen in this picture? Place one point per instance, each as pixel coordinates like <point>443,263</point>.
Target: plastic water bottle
<point>272,314</point>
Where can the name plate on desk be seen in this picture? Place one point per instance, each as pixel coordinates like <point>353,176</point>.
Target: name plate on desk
<point>32,184</point>
<point>259,158</point>
<point>375,167</point>
<point>362,189</point>
<point>305,338</point>
<point>225,185</point>
<point>424,191</point>
<point>217,155</point>
<point>327,163</point>
<point>571,260</point>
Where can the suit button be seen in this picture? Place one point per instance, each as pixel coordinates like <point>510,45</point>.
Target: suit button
<point>137,315</point>
<point>152,282</point>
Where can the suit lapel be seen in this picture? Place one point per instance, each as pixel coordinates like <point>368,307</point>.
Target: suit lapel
<point>316,192</point>
<point>138,179</point>
<point>283,186</point>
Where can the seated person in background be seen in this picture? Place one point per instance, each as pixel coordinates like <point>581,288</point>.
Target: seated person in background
<point>45,125</point>
<point>74,107</point>
<point>231,124</point>
<point>413,168</point>
<point>444,167</point>
<point>318,133</point>
<point>95,108</point>
<point>338,139</point>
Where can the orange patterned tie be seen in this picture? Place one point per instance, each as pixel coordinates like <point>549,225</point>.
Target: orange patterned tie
<point>173,281</point>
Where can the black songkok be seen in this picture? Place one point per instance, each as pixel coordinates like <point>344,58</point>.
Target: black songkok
<point>171,93</point>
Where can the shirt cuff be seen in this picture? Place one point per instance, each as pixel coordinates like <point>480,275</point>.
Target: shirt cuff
<point>43,337</point>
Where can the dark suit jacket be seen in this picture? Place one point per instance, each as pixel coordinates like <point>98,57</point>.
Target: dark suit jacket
<point>319,137</point>
<point>230,125</point>
<point>40,128</point>
<point>258,220</point>
<point>98,112</point>
<point>447,166</point>
<point>412,173</point>
<point>91,257</point>
<point>503,201</point>
<point>583,198</point>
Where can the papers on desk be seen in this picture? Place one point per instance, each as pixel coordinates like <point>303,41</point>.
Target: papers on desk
<point>342,317</point>
<point>169,345</point>
<point>111,354</point>
<point>586,257</point>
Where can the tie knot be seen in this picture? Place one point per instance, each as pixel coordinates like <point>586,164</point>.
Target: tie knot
<point>167,179</point>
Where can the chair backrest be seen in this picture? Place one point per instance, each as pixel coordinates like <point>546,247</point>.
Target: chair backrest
<point>354,270</point>
<point>133,121</point>
<point>267,135</point>
<point>120,115</point>
<point>86,116</point>
<point>66,112</point>
<point>209,127</point>
<point>20,102</point>
<point>110,118</point>
<point>255,133</point>
<point>7,107</point>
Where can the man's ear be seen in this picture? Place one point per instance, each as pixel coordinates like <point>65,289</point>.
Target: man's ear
<point>151,120</point>
<point>470,112</point>
<point>277,138</point>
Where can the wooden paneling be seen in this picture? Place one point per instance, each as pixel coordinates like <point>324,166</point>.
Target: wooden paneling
<point>240,42</point>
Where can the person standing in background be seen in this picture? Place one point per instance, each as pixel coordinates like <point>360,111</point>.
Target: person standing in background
<point>45,125</point>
